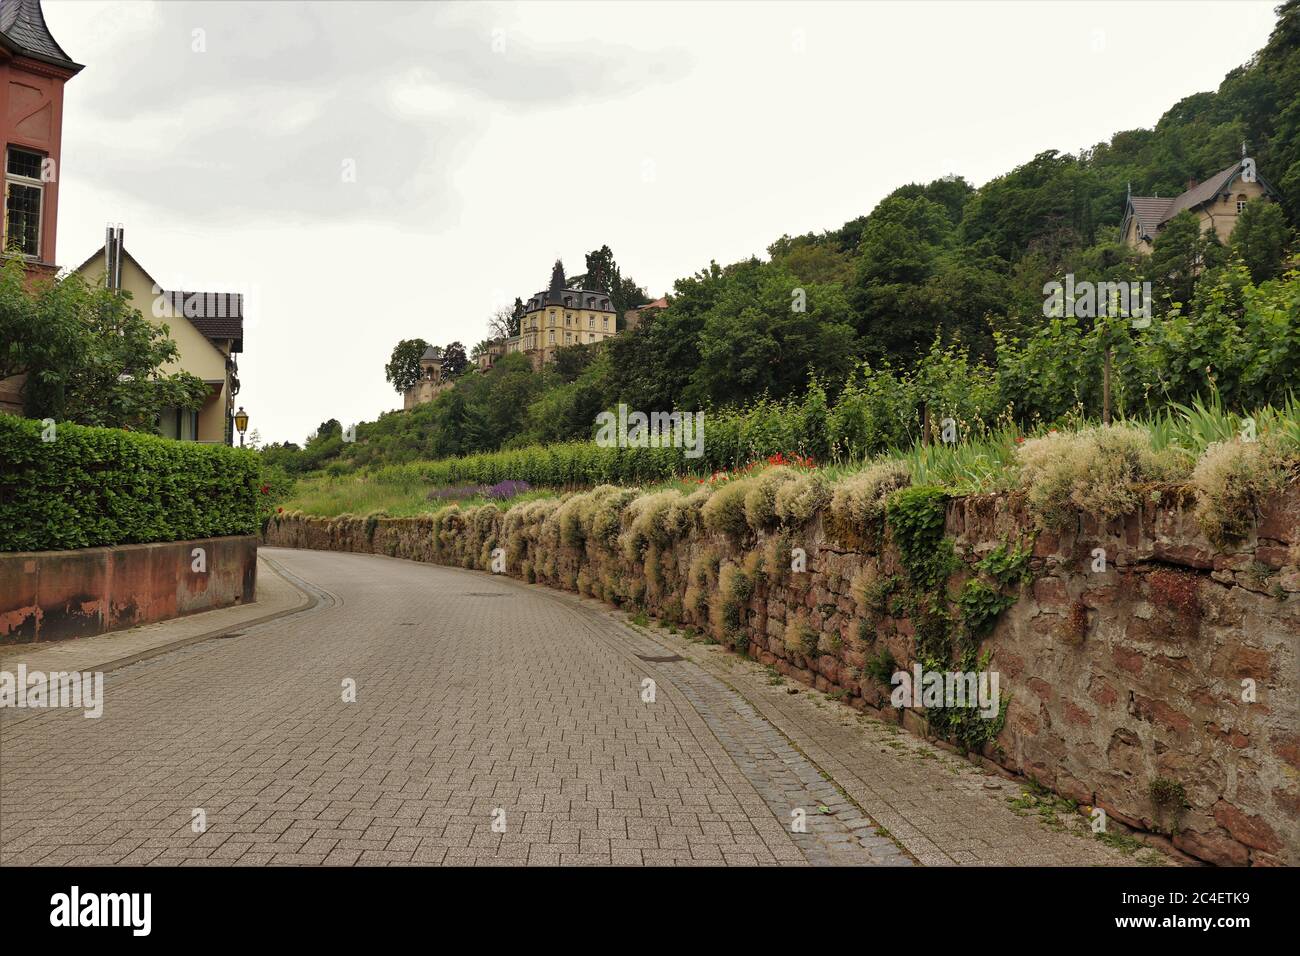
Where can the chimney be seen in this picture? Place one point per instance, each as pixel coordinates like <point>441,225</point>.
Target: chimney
<point>113,256</point>
<point>117,257</point>
<point>108,256</point>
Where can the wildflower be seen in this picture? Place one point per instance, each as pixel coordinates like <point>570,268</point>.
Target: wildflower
<point>266,489</point>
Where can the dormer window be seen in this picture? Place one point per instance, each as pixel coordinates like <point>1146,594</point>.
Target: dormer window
<point>24,196</point>
<point>1241,204</point>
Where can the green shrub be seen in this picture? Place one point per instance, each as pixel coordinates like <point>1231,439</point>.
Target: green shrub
<point>856,513</point>
<point>798,500</point>
<point>1094,471</point>
<point>760,500</point>
<point>1231,480</point>
<point>880,667</point>
<point>800,638</point>
<point>92,487</point>
<point>724,511</point>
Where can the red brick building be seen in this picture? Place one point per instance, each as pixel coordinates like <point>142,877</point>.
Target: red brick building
<point>33,69</point>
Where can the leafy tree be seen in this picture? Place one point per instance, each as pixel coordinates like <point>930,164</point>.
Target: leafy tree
<point>1261,238</point>
<point>89,356</point>
<point>570,360</point>
<point>1181,253</point>
<point>403,368</point>
<point>454,360</point>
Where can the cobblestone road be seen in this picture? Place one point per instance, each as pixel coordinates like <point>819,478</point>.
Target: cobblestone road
<point>494,723</point>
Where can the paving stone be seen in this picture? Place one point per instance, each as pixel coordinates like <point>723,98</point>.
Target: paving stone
<point>528,704</point>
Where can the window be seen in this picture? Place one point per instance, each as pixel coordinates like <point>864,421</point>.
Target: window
<point>606,323</point>
<point>23,198</point>
<point>591,321</point>
<point>1241,204</point>
<point>552,336</point>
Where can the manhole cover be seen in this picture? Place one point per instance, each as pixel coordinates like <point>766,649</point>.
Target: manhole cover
<point>662,660</point>
<point>226,637</point>
<point>486,594</point>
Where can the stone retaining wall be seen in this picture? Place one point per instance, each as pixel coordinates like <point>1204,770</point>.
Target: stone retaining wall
<point>53,595</point>
<point>1118,678</point>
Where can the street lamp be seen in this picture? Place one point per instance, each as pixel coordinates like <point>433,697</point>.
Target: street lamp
<point>241,423</point>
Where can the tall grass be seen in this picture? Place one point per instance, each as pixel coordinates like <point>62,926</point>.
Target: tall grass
<point>986,459</point>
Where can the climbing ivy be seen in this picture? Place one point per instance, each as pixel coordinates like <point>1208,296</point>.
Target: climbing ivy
<point>944,627</point>
<point>915,517</point>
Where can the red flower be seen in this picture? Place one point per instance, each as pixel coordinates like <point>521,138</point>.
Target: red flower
<point>266,489</point>
<point>1020,439</point>
<point>278,510</point>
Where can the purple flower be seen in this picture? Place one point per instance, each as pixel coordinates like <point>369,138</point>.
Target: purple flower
<point>507,489</point>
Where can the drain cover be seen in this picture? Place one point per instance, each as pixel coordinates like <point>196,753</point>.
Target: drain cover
<point>486,594</point>
<point>226,637</point>
<point>662,660</point>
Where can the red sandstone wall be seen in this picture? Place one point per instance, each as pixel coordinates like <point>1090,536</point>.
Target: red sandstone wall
<point>1116,678</point>
<point>53,595</point>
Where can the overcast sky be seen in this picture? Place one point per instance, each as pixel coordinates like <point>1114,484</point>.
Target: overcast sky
<point>489,139</point>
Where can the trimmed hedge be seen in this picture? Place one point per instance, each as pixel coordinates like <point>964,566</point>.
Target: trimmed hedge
<point>91,487</point>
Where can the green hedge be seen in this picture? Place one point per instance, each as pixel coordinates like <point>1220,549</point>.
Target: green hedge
<point>102,486</point>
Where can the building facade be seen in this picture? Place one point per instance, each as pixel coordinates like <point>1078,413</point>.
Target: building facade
<point>1217,202</point>
<point>33,70</point>
<point>207,327</point>
<point>560,316</point>
<point>432,380</point>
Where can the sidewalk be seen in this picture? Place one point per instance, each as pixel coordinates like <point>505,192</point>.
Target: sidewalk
<point>276,597</point>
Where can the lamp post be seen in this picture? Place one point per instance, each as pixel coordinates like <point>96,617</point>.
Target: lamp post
<point>241,423</point>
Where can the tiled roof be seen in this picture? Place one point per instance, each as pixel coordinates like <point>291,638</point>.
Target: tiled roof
<point>23,25</point>
<point>1150,212</point>
<point>1203,192</point>
<point>217,315</point>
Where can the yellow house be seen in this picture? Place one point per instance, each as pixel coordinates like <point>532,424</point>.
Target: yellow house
<point>207,327</point>
<point>562,316</point>
<point>1217,202</point>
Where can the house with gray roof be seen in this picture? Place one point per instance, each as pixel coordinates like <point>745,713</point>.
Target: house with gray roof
<point>1217,202</point>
